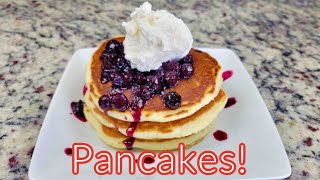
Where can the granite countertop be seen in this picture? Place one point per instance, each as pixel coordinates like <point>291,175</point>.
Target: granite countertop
<point>278,42</point>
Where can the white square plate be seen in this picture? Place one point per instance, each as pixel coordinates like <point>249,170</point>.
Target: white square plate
<point>248,121</point>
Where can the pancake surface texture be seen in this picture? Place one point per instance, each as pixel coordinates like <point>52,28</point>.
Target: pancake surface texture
<point>196,92</point>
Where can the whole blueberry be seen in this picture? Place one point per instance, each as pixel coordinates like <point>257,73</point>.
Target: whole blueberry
<point>140,79</point>
<point>112,46</point>
<point>121,63</point>
<point>127,68</point>
<point>104,77</point>
<point>171,66</point>
<point>128,79</point>
<point>159,72</point>
<point>172,100</point>
<point>118,81</point>
<point>186,59</point>
<point>119,101</point>
<point>106,65</point>
<point>105,103</point>
<point>170,79</point>
<point>186,71</point>
<point>146,93</point>
<point>136,90</point>
<point>108,56</point>
<point>113,73</point>
<point>154,83</point>
<point>116,91</point>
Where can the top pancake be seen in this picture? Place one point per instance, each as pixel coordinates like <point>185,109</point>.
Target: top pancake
<point>195,92</point>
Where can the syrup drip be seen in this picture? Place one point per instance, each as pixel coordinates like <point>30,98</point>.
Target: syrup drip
<point>227,74</point>
<point>231,101</point>
<point>136,115</point>
<point>130,130</point>
<point>129,142</point>
<point>220,135</point>
<point>136,119</point>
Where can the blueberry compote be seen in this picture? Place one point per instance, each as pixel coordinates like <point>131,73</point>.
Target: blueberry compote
<point>116,69</point>
<point>77,110</point>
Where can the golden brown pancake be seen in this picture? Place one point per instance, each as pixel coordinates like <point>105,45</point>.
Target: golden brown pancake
<point>157,130</point>
<point>115,139</point>
<point>195,92</point>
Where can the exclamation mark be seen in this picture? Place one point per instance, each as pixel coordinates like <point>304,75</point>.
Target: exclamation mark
<point>242,158</point>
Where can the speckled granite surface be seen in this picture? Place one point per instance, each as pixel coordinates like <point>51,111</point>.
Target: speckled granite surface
<point>278,42</point>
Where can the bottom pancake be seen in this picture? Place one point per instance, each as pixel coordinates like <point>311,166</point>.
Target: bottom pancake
<point>114,138</point>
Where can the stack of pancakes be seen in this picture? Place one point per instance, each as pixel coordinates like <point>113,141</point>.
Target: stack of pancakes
<point>158,128</point>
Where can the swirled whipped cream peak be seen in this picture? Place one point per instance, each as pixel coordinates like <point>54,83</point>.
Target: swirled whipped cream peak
<point>154,37</point>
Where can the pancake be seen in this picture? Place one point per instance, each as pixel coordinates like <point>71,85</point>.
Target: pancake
<point>114,138</point>
<point>195,92</point>
<point>157,130</point>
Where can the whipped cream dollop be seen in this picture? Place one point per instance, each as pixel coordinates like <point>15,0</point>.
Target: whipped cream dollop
<point>154,37</point>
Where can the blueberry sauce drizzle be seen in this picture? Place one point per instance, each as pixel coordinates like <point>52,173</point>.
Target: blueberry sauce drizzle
<point>220,135</point>
<point>230,102</point>
<point>136,115</point>
<point>68,151</point>
<point>227,74</point>
<point>130,130</point>
<point>133,126</point>
<point>129,142</point>
<point>85,89</point>
<point>77,110</point>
